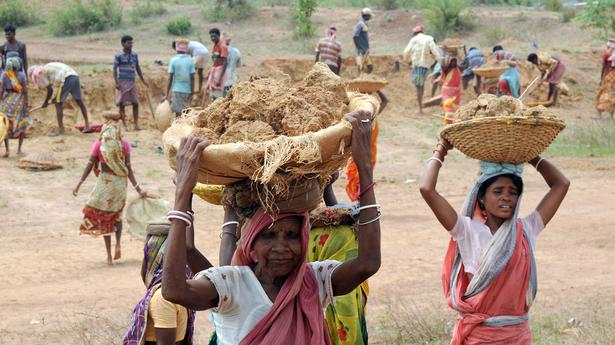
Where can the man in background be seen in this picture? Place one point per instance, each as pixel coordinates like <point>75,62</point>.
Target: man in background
<point>361,41</point>
<point>329,51</point>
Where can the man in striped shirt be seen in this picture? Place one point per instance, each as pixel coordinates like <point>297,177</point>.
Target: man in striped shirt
<point>125,66</point>
<point>329,51</point>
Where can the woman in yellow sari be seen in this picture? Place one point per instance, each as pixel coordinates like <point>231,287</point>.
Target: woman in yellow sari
<point>14,103</point>
<point>110,160</point>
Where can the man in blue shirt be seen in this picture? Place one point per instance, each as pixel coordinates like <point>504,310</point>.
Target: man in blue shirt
<point>125,65</point>
<point>181,78</point>
<point>361,42</point>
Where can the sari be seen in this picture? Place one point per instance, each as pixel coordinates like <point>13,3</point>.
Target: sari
<point>12,105</point>
<point>510,82</point>
<point>151,273</point>
<point>451,90</point>
<point>605,99</point>
<point>331,240</point>
<point>106,202</point>
<point>352,173</point>
<point>493,305</point>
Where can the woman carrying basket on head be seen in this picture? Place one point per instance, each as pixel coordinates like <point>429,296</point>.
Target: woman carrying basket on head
<point>489,272</point>
<point>605,99</point>
<point>14,103</point>
<point>271,294</point>
<point>110,160</point>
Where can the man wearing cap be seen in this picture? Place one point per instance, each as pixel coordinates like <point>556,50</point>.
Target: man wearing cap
<point>420,52</point>
<point>361,42</point>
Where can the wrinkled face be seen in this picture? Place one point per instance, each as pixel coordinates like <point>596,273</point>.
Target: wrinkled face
<point>278,249</point>
<point>214,38</point>
<point>127,45</point>
<point>9,35</point>
<point>500,198</point>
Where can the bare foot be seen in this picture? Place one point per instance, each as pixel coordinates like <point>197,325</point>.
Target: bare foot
<point>6,155</point>
<point>118,253</point>
<point>109,261</point>
<point>137,128</point>
<point>20,153</point>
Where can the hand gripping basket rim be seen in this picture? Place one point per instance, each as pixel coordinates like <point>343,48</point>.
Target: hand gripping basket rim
<point>509,139</point>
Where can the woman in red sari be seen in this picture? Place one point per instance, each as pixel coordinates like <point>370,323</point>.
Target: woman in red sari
<point>451,84</point>
<point>489,272</point>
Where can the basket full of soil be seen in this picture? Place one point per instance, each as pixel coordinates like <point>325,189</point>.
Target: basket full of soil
<point>285,139</point>
<point>502,130</point>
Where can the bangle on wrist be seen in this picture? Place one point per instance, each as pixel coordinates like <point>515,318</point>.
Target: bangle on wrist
<point>538,163</point>
<point>441,161</point>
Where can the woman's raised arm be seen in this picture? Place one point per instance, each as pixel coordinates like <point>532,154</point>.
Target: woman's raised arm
<point>353,272</point>
<point>441,208</point>
<point>559,187</point>
<point>198,294</point>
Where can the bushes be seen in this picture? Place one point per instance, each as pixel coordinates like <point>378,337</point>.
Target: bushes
<point>568,14</point>
<point>221,11</point>
<point>444,16</point>
<point>553,5</point>
<point>599,15</point>
<point>389,4</point>
<point>75,19</point>
<point>179,27</point>
<point>301,15</point>
<point>15,13</point>
<point>149,8</point>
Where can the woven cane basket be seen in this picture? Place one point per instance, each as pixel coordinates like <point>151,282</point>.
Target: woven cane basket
<point>503,139</point>
<point>366,86</point>
<point>490,72</point>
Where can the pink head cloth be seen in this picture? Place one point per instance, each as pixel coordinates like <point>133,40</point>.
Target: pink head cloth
<point>297,310</point>
<point>418,28</point>
<point>36,74</point>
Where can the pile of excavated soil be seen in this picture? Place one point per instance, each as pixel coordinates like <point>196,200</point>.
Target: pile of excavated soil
<point>264,108</point>
<point>487,105</point>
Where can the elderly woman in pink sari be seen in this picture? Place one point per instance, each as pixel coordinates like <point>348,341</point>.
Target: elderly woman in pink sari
<point>489,271</point>
<point>271,294</point>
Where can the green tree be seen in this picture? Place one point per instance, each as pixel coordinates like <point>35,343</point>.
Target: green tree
<point>599,15</point>
<point>302,14</point>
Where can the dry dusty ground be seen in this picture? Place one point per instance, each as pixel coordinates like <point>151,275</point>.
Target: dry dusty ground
<point>57,288</point>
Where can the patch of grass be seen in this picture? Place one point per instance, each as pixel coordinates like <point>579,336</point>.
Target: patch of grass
<point>413,325</point>
<point>445,16</point>
<point>585,139</point>
<point>179,27</point>
<point>553,5</point>
<point>402,324</point>
<point>495,34</point>
<point>568,14</point>
<point>77,18</point>
<point>520,17</point>
<point>155,173</point>
<point>219,11</point>
<point>16,13</point>
<point>146,9</point>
